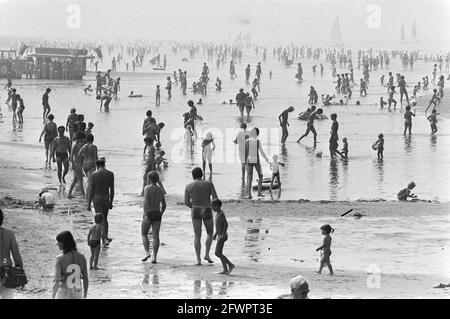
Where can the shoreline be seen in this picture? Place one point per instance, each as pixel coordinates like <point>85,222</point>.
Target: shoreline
<point>259,272</point>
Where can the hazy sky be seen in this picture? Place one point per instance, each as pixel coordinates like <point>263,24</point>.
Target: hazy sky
<point>266,20</point>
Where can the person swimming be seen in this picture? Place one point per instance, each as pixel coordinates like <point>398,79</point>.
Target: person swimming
<point>132,95</point>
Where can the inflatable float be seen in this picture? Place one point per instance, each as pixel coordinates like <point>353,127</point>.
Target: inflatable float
<point>266,184</point>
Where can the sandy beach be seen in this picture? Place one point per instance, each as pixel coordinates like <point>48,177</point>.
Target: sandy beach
<point>376,252</point>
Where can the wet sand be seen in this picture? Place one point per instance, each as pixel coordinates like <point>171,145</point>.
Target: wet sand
<point>269,241</point>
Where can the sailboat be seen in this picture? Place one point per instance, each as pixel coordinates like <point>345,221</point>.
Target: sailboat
<point>336,37</point>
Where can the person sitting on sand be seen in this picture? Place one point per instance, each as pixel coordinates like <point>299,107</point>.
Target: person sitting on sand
<point>95,235</point>
<point>299,289</point>
<point>200,102</point>
<point>222,236</point>
<point>405,193</point>
<point>46,199</point>
<point>325,249</point>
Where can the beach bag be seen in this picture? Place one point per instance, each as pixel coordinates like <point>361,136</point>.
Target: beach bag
<point>11,277</point>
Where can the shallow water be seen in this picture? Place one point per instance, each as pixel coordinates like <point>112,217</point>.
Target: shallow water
<point>118,133</point>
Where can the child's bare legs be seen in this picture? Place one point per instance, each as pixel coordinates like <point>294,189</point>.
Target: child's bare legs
<point>226,263</point>
<point>330,268</point>
<point>320,267</point>
<point>96,255</point>
<point>145,227</point>
<point>91,260</point>
<point>325,261</point>
<point>156,225</point>
<point>271,182</point>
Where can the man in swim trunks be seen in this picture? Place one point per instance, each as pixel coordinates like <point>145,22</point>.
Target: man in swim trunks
<point>70,123</point>
<point>310,125</point>
<point>62,147</point>
<point>101,194</point>
<point>154,207</point>
<point>77,165</point>
<point>45,104</point>
<point>240,139</point>
<point>252,150</point>
<point>240,101</point>
<point>88,156</point>
<point>283,118</point>
<point>197,196</point>
<point>50,131</point>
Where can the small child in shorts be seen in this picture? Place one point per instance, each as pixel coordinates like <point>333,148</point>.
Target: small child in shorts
<point>325,249</point>
<point>96,234</point>
<point>275,166</point>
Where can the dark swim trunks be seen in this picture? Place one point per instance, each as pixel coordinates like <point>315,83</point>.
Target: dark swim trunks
<point>94,243</point>
<point>154,216</point>
<point>102,207</point>
<point>201,213</point>
<point>62,155</point>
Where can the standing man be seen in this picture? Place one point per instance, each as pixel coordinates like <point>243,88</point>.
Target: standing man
<point>101,193</point>
<point>62,148</point>
<point>240,101</point>
<point>45,104</point>
<point>240,139</point>
<point>252,150</point>
<point>283,118</point>
<point>154,207</point>
<point>402,86</point>
<point>197,196</point>
<point>88,157</point>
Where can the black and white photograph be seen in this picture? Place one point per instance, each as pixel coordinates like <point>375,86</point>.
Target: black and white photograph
<point>224,149</point>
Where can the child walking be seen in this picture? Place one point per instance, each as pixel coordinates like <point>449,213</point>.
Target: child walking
<point>325,249</point>
<point>221,236</point>
<point>96,233</point>
<point>275,166</point>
